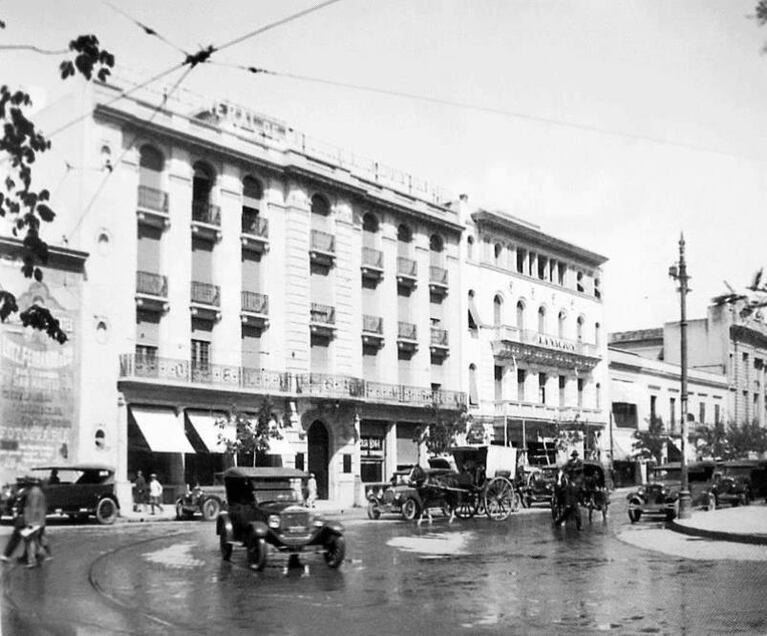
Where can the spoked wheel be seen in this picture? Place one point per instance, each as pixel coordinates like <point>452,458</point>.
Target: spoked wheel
<point>335,551</point>
<point>374,512</point>
<point>181,513</point>
<point>410,509</point>
<point>467,505</point>
<point>500,499</point>
<point>256,553</point>
<point>210,509</point>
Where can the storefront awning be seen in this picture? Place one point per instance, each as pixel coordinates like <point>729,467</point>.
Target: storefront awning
<point>210,432</point>
<point>161,429</point>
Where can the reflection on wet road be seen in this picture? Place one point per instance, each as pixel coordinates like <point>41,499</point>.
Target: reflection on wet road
<point>473,576</point>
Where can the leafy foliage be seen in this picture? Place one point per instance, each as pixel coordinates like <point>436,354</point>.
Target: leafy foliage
<point>650,444</point>
<point>711,441</point>
<point>745,438</point>
<point>441,434</point>
<point>252,435</point>
<point>26,207</point>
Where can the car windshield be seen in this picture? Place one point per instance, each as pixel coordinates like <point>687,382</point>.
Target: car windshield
<point>268,491</point>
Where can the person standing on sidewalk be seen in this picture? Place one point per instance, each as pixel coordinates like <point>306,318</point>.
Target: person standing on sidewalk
<point>311,490</point>
<point>139,495</point>
<point>155,492</point>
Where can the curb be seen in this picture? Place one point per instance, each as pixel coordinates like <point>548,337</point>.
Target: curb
<point>717,535</point>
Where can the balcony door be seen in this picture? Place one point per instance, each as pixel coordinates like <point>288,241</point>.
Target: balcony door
<point>319,455</point>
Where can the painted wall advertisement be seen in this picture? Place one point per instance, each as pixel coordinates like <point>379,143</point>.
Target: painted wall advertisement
<point>38,385</point>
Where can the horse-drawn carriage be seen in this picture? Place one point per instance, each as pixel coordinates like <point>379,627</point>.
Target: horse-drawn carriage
<point>482,483</point>
<point>588,480</point>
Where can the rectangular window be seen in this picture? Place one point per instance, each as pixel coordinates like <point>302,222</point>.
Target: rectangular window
<point>146,355</point>
<point>521,261</point>
<point>473,392</point>
<point>542,388</point>
<point>672,412</point>
<point>200,355</point>
<point>251,347</point>
<point>653,407</point>
<point>581,384</point>
<point>562,385</point>
<point>717,413</point>
<point>702,412</point>
<point>561,273</point>
<point>498,378</point>
<point>347,463</point>
<point>521,377</point>
<point>299,461</point>
<point>625,415</point>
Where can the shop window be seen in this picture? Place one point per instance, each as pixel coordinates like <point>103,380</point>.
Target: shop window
<point>625,415</point>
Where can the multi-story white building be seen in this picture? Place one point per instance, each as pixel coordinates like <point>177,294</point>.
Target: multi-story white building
<point>534,348</point>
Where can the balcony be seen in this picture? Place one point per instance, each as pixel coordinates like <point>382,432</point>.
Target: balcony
<point>206,220</point>
<point>438,281</point>
<point>407,336</point>
<point>525,345</point>
<point>372,264</point>
<point>569,416</point>
<point>322,320</point>
<point>255,309</point>
<point>151,292</point>
<point>372,331</point>
<point>407,272</point>
<point>206,301</point>
<point>439,345</point>
<point>255,233</point>
<point>323,248</point>
<point>161,372</point>
<point>152,207</point>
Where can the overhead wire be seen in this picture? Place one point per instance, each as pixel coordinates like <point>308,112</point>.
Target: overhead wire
<point>30,47</point>
<point>562,123</point>
<point>146,28</point>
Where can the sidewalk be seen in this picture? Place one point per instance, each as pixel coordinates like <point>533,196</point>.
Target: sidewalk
<point>742,524</point>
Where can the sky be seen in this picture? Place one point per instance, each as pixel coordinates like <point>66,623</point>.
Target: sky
<point>624,124</point>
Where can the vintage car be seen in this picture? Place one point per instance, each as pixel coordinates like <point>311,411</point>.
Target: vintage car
<point>266,507</point>
<point>660,496</point>
<point>536,484</point>
<point>388,497</point>
<point>732,482</point>
<point>77,490</point>
<point>206,501</point>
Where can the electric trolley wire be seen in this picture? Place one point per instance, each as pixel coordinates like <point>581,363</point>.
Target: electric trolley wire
<point>30,47</point>
<point>146,28</point>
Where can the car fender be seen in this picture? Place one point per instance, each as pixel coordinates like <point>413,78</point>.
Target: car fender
<point>101,497</point>
<point>259,528</point>
<point>224,526</point>
<point>635,501</point>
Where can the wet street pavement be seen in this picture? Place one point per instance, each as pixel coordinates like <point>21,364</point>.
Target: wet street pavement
<point>472,577</point>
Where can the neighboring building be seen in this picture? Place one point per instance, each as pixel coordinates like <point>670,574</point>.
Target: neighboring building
<point>42,392</point>
<point>642,388</point>
<point>534,347</point>
<point>235,259</point>
<point>728,341</point>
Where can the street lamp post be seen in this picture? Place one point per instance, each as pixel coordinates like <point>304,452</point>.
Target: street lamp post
<point>678,272</point>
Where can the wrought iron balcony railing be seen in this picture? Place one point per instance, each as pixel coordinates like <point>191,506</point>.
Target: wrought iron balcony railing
<point>439,337</point>
<point>372,257</point>
<point>407,267</point>
<point>372,324</point>
<point>437,275</point>
<point>528,336</point>
<point>254,302</point>
<point>204,212</point>
<point>206,294</point>
<point>152,199</point>
<point>323,242</point>
<point>255,225</point>
<point>322,314</point>
<point>152,284</point>
<point>406,330</point>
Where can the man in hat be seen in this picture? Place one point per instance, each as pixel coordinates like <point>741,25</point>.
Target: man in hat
<point>574,464</point>
<point>155,492</point>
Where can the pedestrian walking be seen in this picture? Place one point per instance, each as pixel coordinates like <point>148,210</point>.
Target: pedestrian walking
<point>571,508</point>
<point>155,492</point>
<point>139,492</point>
<point>311,490</point>
<point>29,526</point>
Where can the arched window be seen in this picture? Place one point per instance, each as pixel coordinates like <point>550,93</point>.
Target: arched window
<point>498,252</point>
<point>597,395</point>
<point>370,223</point>
<point>320,205</point>
<point>436,247</point>
<point>470,248</point>
<point>579,325</point>
<point>596,333</point>
<point>541,319</point>
<point>473,394</point>
<point>561,324</point>
<point>404,239</point>
<point>252,192</point>
<point>520,315</point>
<point>497,311</point>
<point>473,317</point>
<point>151,164</point>
<point>202,184</point>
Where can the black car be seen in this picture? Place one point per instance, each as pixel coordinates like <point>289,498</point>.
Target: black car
<point>265,506</point>
<point>742,480</point>
<point>206,501</point>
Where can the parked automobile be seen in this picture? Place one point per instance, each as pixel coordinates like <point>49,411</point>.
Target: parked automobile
<point>536,484</point>
<point>388,497</point>
<point>266,507</point>
<point>206,501</point>
<point>77,490</point>
<point>660,496</point>
<point>732,482</point>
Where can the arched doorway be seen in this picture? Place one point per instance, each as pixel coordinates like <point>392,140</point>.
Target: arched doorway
<point>318,456</point>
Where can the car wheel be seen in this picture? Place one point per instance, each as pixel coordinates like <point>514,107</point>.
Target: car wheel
<point>410,509</point>
<point>210,509</point>
<point>711,501</point>
<point>673,513</point>
<point>256,553</point>
<point>634,515</point>
<point>374,512</point>
<point>335,551</point>
<point>106,511</point>
<point>181,513</point>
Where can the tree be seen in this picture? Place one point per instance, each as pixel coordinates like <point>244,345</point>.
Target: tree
<point>251,435</point>
<point>21,202</point>
<point>651,443</point>
<point>711,441</point>
<point>441,434</point>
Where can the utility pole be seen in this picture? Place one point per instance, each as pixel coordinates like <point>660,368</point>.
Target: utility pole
<point>678,272</point>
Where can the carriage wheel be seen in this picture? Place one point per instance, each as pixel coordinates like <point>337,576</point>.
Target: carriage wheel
<point>500,499</point>
<point>466,507</point>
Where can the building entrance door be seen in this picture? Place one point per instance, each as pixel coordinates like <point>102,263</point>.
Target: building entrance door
<point>318,456</point>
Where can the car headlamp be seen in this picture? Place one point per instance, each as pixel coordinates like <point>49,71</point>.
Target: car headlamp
<point>317,523</point>
<point>273,522</point>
